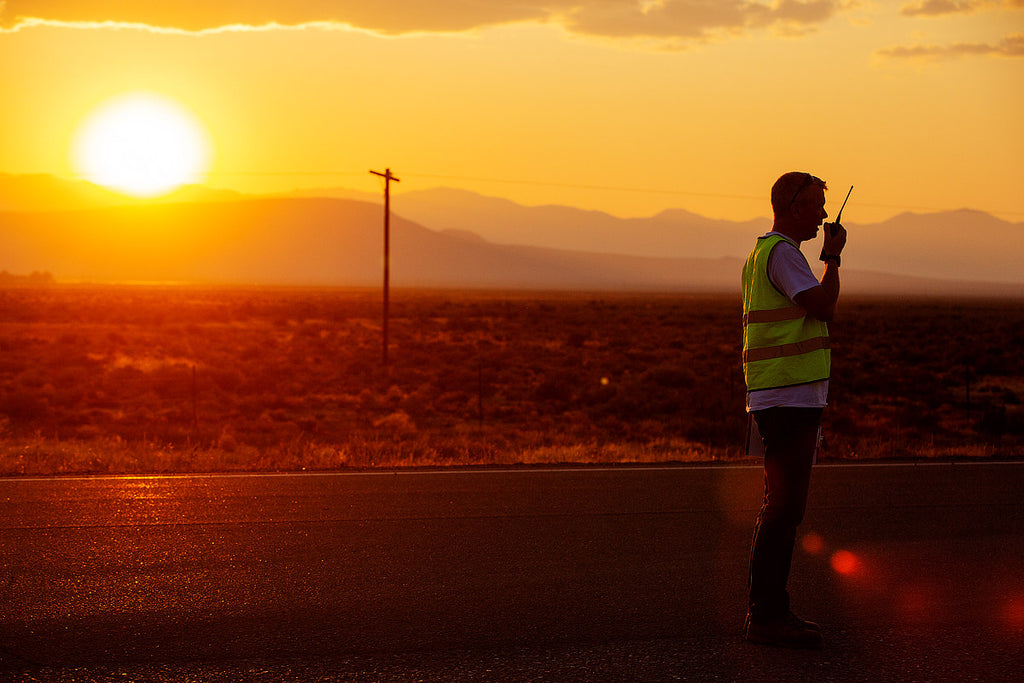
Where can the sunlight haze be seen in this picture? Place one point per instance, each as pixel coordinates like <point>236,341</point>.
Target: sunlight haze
<point>630,108</point>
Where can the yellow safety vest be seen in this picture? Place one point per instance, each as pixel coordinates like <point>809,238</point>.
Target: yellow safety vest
<point>783,346</point>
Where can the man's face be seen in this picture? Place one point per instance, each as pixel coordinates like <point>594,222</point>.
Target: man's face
<point>809,212</point>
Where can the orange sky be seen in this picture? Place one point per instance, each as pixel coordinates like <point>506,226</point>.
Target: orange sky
<point>627,107</point>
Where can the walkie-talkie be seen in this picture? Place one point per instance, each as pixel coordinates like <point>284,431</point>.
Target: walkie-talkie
<point>832,226</point>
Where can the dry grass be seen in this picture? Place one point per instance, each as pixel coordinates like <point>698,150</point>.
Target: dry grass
<point>185,379</point>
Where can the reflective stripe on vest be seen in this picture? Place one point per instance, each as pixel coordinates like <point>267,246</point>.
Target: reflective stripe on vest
<point>774,316</point>
<point>782,345</point>
<point>785,350</point>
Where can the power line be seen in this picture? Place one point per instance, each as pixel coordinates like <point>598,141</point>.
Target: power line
<point>282,173</point>
<point>601,188</point>
<point>578,186</point>
<point>501,181</point>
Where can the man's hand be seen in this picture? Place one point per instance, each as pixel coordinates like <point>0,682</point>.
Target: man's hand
<point>835,239</point>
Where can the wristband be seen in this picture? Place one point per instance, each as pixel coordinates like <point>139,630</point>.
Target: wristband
<point>831,257</point>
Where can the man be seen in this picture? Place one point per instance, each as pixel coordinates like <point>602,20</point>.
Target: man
<point>786,364</point>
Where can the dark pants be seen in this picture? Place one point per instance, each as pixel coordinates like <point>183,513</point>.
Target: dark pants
<point>790,437</point>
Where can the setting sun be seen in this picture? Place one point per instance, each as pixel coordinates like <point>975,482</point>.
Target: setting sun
<point>141,144</point>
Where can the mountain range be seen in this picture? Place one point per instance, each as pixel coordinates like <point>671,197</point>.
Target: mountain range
<point>454,238</point>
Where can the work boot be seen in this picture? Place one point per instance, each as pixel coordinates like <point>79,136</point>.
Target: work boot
<point>807,624</point>
<point>787,631</point>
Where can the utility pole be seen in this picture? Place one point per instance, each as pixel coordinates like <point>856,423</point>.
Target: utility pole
<point>386,175</point>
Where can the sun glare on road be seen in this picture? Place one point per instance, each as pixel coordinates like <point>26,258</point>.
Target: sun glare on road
<point>141,144</point>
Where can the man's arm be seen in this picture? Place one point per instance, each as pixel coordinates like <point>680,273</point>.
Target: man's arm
<point>820,301</point>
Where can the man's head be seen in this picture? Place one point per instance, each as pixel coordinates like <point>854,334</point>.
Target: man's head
<point>798,201</point>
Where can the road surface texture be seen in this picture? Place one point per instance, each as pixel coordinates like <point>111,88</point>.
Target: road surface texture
<point>915,572</point>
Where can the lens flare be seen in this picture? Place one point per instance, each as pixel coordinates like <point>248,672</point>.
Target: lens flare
<point>813,543</point>
<point>1013,612</point>
<point>845,562</point>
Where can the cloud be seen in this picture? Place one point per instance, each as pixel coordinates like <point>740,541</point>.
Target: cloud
<point>935,8</point>
<point>1010,46</point>
<point>386,16</point>
<point>661,19</point>
<point>692,18</point>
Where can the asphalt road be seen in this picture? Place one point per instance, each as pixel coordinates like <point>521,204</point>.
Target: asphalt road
<point>915,572</point>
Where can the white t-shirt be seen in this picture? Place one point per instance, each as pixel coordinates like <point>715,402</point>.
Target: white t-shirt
<point>788,270</point>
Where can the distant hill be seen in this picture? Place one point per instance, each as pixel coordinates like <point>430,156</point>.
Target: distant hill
<point>39,192</point>
<point>965,244</point>
<point>939,245</point>
<point>310,242</point>
<point>470,241</point>
<point>339,242</point>
<point>670,233</point>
